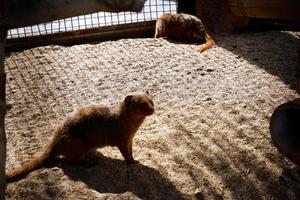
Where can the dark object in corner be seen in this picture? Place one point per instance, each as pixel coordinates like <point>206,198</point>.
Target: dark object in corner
<point>285,130</point>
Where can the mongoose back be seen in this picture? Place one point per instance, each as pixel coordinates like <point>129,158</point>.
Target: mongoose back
<point>183,27</point>
<point>93,127</point>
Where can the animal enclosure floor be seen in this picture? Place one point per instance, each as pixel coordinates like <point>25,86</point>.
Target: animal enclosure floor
<point>208,139</point>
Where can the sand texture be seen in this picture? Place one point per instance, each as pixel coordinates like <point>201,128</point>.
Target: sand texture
<point>208,139</point>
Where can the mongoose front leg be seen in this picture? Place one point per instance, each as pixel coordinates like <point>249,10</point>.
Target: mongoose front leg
<point>126,151</point>
<point>130,151</point>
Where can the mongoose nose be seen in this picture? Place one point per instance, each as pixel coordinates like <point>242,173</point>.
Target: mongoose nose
<point>150,111</point>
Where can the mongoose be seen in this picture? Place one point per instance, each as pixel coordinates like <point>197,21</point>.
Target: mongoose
<point>183,27</point>
<point>93,127</point>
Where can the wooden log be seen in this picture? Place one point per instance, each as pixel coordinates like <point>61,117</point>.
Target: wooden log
<point>2,115</point>
<point>276,9</point>
<point>131,30</point>
<point>29,12</point>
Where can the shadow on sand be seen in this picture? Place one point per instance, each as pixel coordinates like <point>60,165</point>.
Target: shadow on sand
<point>107,175</point>
<point>273,51</point>
<point>240,171</point>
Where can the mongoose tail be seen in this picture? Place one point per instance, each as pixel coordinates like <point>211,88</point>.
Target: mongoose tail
<point>38,160</point>
<point>209,43</point>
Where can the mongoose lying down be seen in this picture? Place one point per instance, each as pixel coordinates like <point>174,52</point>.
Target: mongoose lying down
<point>183,27</point>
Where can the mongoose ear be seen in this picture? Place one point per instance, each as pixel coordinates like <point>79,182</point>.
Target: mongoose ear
<point>128,99</point>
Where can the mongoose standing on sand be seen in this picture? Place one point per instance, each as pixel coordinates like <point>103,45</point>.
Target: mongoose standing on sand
<point>183,27</point>
<point>93,127</point>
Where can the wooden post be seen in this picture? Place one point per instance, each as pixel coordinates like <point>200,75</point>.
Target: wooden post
<point>217,17</point>
<point>298,66</point>
<point>2,115</point>
<point>184,6</point>
<point>28,12</point>
<point>3,34</point>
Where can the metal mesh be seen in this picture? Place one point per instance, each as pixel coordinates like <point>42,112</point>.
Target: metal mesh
<point>151,11</point>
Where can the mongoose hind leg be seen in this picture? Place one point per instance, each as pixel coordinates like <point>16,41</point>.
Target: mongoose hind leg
<point>74,150</point>
<point>210,42</point>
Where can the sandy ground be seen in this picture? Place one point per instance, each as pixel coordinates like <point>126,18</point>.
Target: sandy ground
<point>208,139</point>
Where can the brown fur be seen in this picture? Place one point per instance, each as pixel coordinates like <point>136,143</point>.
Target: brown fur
<point>93,127</point>
<point>183,27</point>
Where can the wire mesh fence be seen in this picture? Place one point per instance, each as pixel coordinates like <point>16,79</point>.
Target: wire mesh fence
<point>151,11</point>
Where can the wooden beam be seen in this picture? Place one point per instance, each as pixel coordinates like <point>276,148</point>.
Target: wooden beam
<point>276,9</point>
<point>131,30</point>
<point>298,66</point>
<point>2,115</point>
<point>29,12</point>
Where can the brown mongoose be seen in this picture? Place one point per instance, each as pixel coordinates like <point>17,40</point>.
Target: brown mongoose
<point>93,127</point>
<point>183,27</point>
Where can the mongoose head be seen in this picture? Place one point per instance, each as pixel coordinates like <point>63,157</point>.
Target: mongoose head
<point>139,105</point>
<point>197,33</point>
<point>194,29</point>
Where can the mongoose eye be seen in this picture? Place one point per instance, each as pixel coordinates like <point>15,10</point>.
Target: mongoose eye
<point>144,105</point>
